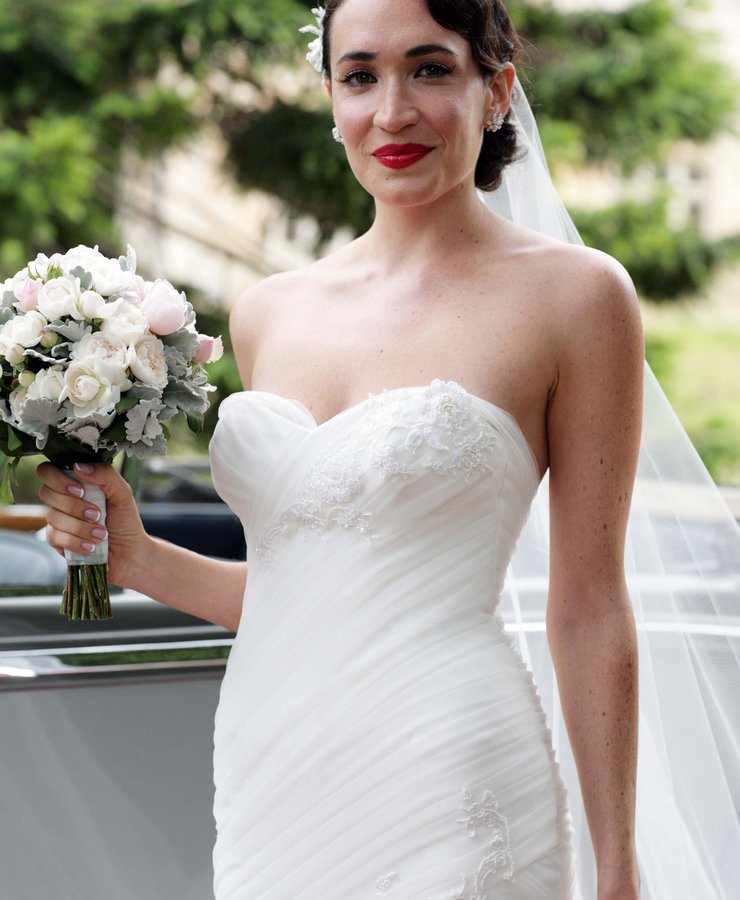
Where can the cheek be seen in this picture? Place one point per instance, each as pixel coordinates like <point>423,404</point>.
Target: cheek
<point>354,116</point>
<point>453,119</point>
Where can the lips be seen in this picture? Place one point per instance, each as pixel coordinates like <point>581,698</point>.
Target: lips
<point>400,156</point>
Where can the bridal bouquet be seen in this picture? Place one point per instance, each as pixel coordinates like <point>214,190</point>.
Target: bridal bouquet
<point>95,360</point>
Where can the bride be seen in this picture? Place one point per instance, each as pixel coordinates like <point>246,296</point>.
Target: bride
<point>378,734</point>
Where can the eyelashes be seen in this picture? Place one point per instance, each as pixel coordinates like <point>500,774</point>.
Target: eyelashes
<point>358,78</point>
<point>362,77</point>
<point>435,70</point>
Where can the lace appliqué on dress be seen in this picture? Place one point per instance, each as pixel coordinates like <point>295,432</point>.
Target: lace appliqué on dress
<point>326,500</point>
<point>403,437</point>
<point>479,815</point>
<point>484,813</point>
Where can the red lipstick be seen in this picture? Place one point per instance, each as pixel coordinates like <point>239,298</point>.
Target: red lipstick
<point>400,156</point>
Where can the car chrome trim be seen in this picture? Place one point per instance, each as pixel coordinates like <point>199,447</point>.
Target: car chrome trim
<point>62,665</point>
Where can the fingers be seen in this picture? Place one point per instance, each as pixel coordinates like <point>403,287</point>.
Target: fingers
<point>65,532</point>
<point>55,479</point>
<point>105,476</point>
<point>73,522</point>
<point>61,492</point>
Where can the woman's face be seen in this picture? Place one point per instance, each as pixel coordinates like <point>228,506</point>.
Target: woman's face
<point>409,100</point>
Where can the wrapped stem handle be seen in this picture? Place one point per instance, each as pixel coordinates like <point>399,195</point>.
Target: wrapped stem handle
<point>86,595</point>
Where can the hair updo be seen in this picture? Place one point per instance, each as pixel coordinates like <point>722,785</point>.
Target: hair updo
<point>486,26</point>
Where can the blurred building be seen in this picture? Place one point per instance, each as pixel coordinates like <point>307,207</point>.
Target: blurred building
<point>191,224</point>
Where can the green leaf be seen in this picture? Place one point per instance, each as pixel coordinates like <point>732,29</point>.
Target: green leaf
<point>14,442</point>
<point>126,403</point>
<point>195,422</point>
<point>7,467</point>
<point>116,432</point>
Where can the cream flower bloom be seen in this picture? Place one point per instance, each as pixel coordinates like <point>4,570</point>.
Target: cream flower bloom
<point>89,391</point>
<point>110,353</point>
<point>48,384</point>
<point>147,361</point>
<point>124,321</point>
<point>20,333</point>
<point>107,275</point>
<point>58,298</point>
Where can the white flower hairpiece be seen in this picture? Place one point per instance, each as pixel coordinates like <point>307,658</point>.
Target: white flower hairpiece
<point>315,54</point>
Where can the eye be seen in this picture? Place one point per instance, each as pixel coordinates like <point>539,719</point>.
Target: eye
<point>434,70</point>
<point>358,78</point>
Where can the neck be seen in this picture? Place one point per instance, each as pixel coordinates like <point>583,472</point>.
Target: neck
<point>401,237</point>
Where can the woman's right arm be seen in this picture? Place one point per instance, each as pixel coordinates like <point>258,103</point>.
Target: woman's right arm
<point>204,587</point>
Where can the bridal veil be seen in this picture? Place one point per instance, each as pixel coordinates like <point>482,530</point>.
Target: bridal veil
<point>683,570</point>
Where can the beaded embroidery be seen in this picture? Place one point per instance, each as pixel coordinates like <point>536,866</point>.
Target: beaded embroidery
<point>484,813</point>
<point>402,438</point>
<point>479,814</point>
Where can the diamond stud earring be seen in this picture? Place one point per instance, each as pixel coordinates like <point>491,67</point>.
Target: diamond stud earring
<point>494,123</point>
<point>337,135</point>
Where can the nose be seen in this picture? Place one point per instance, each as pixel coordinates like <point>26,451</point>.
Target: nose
<point>395,110</point>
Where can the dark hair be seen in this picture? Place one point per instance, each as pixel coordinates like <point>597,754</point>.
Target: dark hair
<point>486,26</point>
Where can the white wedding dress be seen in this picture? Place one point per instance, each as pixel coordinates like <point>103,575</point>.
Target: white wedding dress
<point>378,736</point>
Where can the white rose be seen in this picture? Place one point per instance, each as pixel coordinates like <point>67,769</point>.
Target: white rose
<point>109,352</point>
<point>147,361</point>
<point>92,305</point>
<point>59,297</point>
<point>88,390</point>
<point>165,308</point>
<point>138,290</point>
<point>20,333</point>
<point>16,400</point>
<point>107,275</point>
<point>47,385</point>
<point>13,353</point>
<point>41,265</point>
<point>125,321</point>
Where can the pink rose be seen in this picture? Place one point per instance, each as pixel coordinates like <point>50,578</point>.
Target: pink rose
<point>27,292</point>
<point>209,349</point>
<point>165,308</point>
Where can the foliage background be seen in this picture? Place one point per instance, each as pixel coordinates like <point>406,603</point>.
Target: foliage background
<point>86,81</point>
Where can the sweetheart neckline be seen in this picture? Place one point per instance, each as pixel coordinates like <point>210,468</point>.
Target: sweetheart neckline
<point>414,387</point>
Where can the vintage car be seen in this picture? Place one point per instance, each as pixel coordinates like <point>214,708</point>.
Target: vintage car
<point>106,727</point>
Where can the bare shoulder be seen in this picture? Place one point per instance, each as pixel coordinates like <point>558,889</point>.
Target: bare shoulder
<point>591,296</point>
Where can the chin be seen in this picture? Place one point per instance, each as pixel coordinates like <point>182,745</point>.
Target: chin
<point>402,191</point>
<point>409,196</point>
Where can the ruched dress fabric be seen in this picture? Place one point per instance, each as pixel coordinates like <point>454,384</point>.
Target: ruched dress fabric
<point>378,736</point>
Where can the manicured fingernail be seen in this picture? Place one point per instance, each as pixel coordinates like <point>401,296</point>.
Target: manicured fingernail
<point>99,534</point>
<point>92,514</point>
<point>76,490</point>
<point>85,467</point>
<point>87,546</point>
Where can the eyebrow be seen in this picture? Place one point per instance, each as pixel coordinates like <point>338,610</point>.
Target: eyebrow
<point>421,50</point>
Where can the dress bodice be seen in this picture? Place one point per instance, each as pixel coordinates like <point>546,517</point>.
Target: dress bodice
<point>410,461</point>
<point>377,734</point>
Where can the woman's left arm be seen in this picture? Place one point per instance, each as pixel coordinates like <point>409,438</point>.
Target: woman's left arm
<point>594,423</point>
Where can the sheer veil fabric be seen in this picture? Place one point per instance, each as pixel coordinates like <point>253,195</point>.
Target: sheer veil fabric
<point>683,568</point>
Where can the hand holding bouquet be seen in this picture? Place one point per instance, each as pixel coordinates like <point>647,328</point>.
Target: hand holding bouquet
<point>95,360</point>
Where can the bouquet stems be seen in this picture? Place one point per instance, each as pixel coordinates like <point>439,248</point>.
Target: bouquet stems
<point>86,596</point>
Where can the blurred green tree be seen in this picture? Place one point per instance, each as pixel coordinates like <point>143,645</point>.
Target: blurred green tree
<point>83,80</point>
